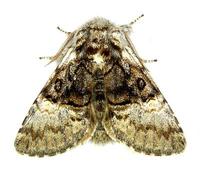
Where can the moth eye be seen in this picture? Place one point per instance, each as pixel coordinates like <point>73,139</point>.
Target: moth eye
<point>116,34</point>
<point>141,84</point>
<point>81,39</point>
<point>80,33</point>
<point>116,39</point>
<point>58,84</point>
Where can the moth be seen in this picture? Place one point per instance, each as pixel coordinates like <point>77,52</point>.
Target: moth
<point>100,91</point>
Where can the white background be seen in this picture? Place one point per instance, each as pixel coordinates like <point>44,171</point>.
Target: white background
<point>169,32</point>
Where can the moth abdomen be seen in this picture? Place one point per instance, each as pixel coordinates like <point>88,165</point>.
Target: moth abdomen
<point>98,91</point>
<point>99,97</point>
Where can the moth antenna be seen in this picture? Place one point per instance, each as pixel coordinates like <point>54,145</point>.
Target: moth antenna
<point>60,29</point>
<point>128,27</point>
<point>138,18</point>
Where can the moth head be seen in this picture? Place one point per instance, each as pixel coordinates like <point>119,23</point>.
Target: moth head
<point>99,23</point>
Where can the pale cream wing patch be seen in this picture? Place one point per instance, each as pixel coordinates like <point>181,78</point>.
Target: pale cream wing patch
<point>149,127</point>
<point>53,128</point>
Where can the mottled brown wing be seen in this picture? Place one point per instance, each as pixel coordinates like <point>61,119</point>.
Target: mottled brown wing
<point>60,118</point>
<point>138,114</point>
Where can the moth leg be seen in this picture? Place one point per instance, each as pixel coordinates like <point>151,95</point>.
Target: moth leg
<point>62,51</point>
<point>46,57</point>
<point>51,59</point>
<point>148,60</point>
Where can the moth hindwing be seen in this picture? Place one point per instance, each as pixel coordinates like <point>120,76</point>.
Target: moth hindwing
<point>101,91</point>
